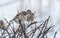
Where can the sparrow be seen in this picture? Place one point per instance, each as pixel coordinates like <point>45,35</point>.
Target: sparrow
<point>24,16</point>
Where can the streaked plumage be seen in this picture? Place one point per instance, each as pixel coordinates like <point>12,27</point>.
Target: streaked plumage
<point>24,16</point>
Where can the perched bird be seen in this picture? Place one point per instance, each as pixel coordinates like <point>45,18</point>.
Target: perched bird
<point>1,23</point>
<point>24,16</point>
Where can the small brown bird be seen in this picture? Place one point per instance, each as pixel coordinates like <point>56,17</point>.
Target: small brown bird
<point>24,16</point>
<point>1,23</point>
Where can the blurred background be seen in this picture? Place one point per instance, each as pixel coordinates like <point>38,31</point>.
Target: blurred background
<point>43,8</point>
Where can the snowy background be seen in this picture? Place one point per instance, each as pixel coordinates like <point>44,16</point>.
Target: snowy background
<point>43,8</point>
